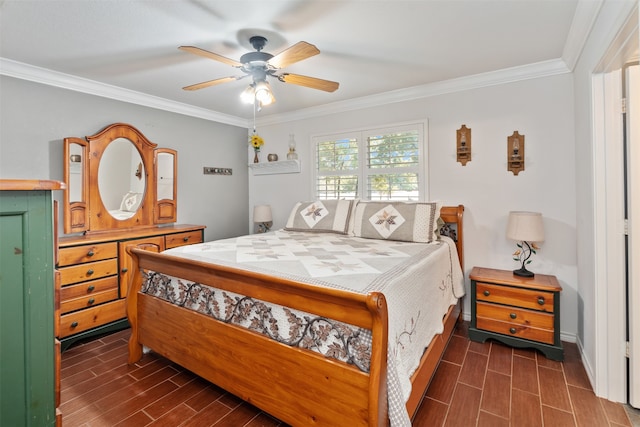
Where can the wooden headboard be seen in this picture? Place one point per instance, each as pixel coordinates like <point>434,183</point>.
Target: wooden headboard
<point>452,215</point>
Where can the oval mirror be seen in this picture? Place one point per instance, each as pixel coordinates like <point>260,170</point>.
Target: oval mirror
<point>121,178</point>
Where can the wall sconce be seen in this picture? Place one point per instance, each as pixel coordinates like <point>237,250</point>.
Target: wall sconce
<point>515,153</point>
<point>75,158</point>
<point>262,217</point>
<point>292,155</point>
<point>463,145</point>
<point>139,171</point>
<point>525,227</point>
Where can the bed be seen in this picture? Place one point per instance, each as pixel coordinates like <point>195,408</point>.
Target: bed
<point>312,384</point>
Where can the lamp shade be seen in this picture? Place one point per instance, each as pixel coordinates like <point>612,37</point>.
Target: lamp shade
<point>525,226</point>
<point>262,213</point>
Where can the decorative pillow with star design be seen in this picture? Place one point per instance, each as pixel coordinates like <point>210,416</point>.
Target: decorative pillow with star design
<point>320,216</point>
<point>131,202</point>
<point>404,221</point>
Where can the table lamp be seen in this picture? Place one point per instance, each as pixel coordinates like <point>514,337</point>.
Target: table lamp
<point>262,217</point>
<point>526,229</point>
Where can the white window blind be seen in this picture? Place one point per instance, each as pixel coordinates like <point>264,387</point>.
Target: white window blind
<point>380,164</point>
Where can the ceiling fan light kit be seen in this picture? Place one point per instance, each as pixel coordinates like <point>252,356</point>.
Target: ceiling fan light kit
<point>259,65</point>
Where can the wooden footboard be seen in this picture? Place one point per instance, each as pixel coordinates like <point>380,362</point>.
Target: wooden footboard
<point>297,386</point>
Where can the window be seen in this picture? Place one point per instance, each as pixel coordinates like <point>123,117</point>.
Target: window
<point>377,164</point>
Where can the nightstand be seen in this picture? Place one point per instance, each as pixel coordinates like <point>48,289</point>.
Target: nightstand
<point>517,311</point>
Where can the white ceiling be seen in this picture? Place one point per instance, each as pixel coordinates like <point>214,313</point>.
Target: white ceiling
<point>128,49</point>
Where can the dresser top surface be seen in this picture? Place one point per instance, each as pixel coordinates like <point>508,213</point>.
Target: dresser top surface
<point>109,236</point>
<point>30,185</point>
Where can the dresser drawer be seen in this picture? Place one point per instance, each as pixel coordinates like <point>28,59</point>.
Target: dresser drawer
<point>87,253</point>
<point>514,315</point>
<point>515,330</point>
<point>88,288</point>
<point>181,239</point>
<point>92,317</point>
<point>88,301</point>
<point>518,297</point>
<point>88,271</point>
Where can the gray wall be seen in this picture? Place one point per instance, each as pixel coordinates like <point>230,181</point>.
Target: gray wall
<point>34,119</point>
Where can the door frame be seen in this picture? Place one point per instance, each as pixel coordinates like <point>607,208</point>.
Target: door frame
<point>632,88</point>
<point>610,374</point>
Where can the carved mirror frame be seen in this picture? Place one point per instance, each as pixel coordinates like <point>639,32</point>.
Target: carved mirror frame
<point>89,214</point>
<point>166,181</point>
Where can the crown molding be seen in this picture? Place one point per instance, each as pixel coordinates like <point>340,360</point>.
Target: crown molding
<point>493,78</point>
<point>35,74</point>
<point>66,81</point>
<point>583,20</point>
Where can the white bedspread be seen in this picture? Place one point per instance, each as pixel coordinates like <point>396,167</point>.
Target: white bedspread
<point>420,281</point>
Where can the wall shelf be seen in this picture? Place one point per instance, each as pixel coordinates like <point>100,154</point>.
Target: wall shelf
<point>271,168</point>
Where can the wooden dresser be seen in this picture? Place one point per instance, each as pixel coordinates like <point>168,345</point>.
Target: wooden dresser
<point>29,361</point>
<point>94,271</point>
<point>518,311</point>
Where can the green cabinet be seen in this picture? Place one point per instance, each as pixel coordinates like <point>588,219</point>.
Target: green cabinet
<point>27,349</point>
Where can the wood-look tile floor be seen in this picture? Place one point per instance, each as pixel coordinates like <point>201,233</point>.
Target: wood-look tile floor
<point>475,385</point>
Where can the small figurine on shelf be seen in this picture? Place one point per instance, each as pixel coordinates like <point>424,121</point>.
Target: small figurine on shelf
<point>292,155</point>
<point>256,142</point>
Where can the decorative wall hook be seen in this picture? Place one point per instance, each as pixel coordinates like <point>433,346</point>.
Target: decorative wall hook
<point>515,153</point>
<point>463,145</point>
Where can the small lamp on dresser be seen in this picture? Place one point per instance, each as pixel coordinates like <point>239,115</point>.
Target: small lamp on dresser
<point>525,228</point>
<point>262,217</point>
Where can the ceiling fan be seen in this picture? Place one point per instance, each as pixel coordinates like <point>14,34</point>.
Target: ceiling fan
<point>260,65</point>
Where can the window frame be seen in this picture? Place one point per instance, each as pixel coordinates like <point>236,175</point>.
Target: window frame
<point>363,172</point>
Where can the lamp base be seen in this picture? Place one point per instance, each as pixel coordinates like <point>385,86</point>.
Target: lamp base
<point>523,272</point>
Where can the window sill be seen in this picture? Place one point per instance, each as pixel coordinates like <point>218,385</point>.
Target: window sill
<point>279,167</point>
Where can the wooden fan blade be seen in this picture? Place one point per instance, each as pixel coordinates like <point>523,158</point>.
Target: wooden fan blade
<point>296,53</point>
<point>210,55</point>
<point>210,83</point>
<point>312,82</point>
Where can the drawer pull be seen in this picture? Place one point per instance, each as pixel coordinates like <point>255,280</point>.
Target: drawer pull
<point>512,330</point>
<point>90,288</point>
<point>486,293</point>
<point>91,301</point>
<point>513,315</point>
<point>541,300</point>
<point>124,270</point>
<point>185,239</point>
<point>90,272</point>
<point>91,253</point>
<point>74,325</point>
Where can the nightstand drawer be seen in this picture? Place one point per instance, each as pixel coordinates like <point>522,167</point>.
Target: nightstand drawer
<point>514,315</point>
<point>181,239</point>
<point>87,253</point>
<point>518,297</point>
<point>515,330</point>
